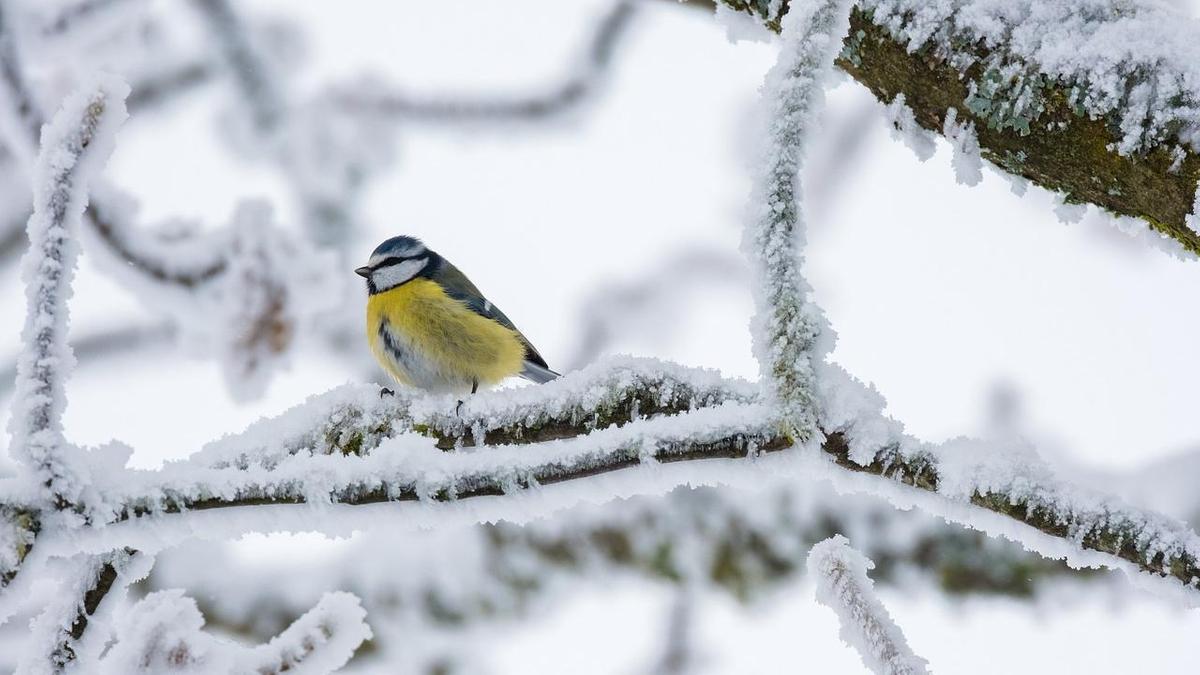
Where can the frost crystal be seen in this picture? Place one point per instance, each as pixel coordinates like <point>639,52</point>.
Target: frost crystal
<point>842,584</point>
<point>787,328</point>
<point>905,129</point>
<point>968,165</point>
<point>1133,60</point>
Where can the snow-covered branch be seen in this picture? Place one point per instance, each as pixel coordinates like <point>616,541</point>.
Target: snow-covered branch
<point>1095,99</point>
<point>162,634</point>
<point>787,334</point>
<point>350,447</point>
<point>840,574</point>
<point>74,147</point>
<point>59,631</point>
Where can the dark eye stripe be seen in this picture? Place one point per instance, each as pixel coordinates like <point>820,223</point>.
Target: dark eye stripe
<point>388,262</point>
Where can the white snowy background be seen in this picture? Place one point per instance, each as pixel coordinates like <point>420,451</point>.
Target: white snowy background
<point>968,308</point>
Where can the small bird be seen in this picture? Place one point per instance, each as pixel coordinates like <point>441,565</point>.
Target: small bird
<point>432,329</point>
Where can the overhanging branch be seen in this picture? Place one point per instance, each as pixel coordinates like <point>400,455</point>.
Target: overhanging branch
<point>1055,143</point>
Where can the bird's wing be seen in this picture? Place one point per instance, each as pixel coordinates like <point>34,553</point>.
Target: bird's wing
<point>459,287</point>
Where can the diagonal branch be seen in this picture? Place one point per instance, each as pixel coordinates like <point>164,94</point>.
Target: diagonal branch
<point>1049,101</point>
<point>58,632</point>
<point>843,585</point>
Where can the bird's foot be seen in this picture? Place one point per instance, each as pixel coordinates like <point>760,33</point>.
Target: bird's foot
<point>386,392</point>
<point>458,408</point>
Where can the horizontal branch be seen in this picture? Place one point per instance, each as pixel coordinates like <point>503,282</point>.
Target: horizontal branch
<point>1063,130</point>
<point>350,447</point>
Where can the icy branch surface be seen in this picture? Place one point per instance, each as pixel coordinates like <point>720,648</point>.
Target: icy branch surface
<point>787,327</point>
<point>74,147</point>
<point>1135,60</point>
<point>842,584</point>
<point>163,633</point>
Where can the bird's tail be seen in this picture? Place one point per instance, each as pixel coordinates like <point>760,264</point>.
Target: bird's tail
<point>539,374</point>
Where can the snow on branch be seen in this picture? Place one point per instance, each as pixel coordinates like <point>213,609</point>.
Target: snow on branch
<point>969,477</point>
<point>369,98</point>
<point>842,584</point>
<point>59,634</point>
<point>162,634</point>
<point>788,326</point>
<point>1095,99</point>
<point>349,447</point>
<point>74,147</point>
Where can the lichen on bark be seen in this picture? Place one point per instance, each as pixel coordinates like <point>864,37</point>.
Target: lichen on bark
<point>1050,142</point>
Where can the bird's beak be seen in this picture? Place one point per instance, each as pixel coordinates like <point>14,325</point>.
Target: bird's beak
<point>364,272</point>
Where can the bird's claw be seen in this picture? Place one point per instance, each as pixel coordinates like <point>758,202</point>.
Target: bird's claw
<point>386,392</point>
<point>458,409</point>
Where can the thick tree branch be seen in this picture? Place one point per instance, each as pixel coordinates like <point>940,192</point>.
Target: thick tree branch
<point>1053,141</point>
<point>343,453</point>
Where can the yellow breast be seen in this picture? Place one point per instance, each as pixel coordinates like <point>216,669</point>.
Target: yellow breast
<point>427,339</point>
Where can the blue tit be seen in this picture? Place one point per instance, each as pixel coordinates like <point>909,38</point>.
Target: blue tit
<point>432,329</point>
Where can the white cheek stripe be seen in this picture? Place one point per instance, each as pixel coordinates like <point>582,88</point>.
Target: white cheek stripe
<point>394,275</point>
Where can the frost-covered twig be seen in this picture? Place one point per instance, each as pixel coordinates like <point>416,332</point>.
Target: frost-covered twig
<point>840,574</point>
<point>321,641</point>
<point>787,326</point>
<point>177,263</point>
<point>162,634</point>
<point>74,147</point>
<point>380,100</point>
<point>1097,99</point>
<point>60,629</point>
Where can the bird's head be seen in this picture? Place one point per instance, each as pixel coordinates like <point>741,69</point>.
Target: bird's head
<point>394,262</point>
